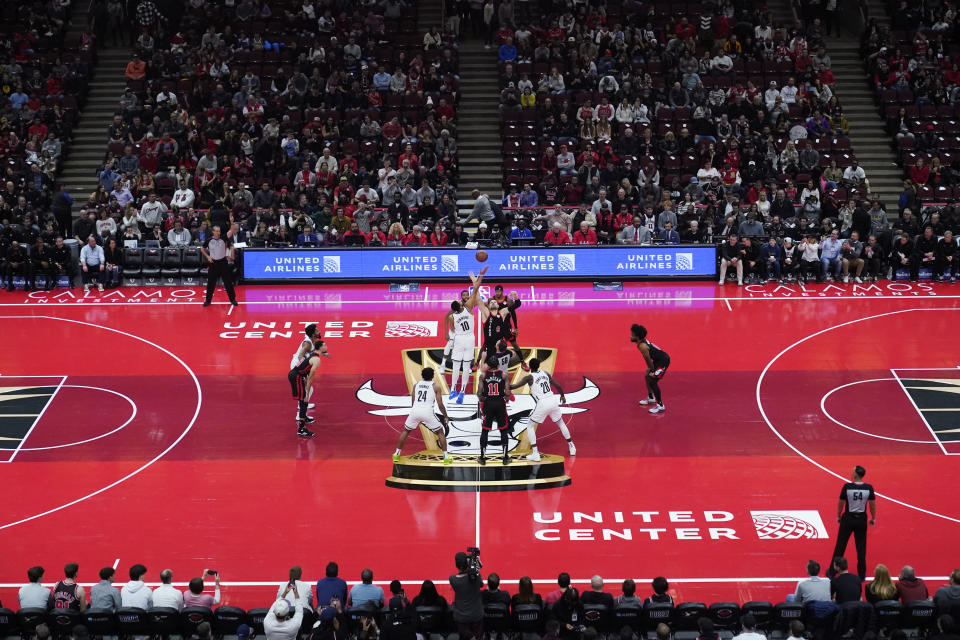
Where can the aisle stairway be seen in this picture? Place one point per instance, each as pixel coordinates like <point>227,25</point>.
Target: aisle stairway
<point>478,123</point>
<point>429,14</point>
<point>89,145</point>
<point>869,139</point>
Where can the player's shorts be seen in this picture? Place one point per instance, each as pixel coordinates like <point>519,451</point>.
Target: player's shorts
<point>424,415</point>
<point>547,407</point>
<point>659,370</point>
<point>495,411</point>
<point>298,386</point>
<point>463,347</point>
<point>510,335</point>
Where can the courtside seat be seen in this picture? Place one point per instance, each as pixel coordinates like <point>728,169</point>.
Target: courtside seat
<point>628,616</point>
<point>783,614</point>
<point>889,614</point>
<point>100,622</point>
<point>192,617</point>
<point>255,617</point>
<point>598,616</point>
<point>132,265</point>
<point>8,622</point>
<point>164,621</point>
<point>62,622</point>
<point>152,262</point>
<point>688,614</point>
<point>133,621</point>
<point>170,269</point>
<point>354,615</point>
<point>309,618</point>
<point>429,620</point>
<point>29,618</point>
<point>190,266</point>
<point>725,615</point>
<point>761,610</point>
<point>229,619</point>
<point>527,618</point>
<point>496,617</point>
<point>921,616</point>
<point>656,612</point>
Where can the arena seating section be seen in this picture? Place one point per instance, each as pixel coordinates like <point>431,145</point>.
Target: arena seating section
<point>259,62</point>
<point>914,71</point>
<point>652,69</point>
<point>850,620</point>
<point>45,73</point>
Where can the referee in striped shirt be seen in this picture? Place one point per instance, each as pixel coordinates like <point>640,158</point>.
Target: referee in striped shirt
<point>217,250</point>
<point>855,497</point>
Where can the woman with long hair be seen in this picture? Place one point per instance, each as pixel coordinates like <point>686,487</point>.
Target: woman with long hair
<point>525,593</point>
<point>881,587</point>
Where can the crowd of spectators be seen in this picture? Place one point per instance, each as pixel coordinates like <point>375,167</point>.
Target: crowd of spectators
<point>914,68</point>
<point>366,611</point>
<point>310,122</point>
<point>44,81</point>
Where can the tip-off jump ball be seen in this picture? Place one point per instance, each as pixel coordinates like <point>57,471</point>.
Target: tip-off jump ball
<point>481,256</point>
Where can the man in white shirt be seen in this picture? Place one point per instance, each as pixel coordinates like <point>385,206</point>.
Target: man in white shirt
<point>280,624</point>
<point>295,591</point>
<point>178,236</point>
<point>92,263</point>
<point>789,92</point>
<point>328,160</point>
<point>184,197</point>
<point>136,593</point>
<point>166,595</point>
<point>369,193</point>
<point>707,172</point>
<point>771,94</point>
<point>152,212</point>
<point>34,594</point>
<point>813,588</point>
<point>854,175</point>
<point>601,202</point>
<point>748,625</point>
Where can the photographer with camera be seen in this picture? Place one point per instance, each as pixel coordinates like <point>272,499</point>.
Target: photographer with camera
<point>467,601</point>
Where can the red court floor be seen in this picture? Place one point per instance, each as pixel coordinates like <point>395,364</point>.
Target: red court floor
<point>167,436</point>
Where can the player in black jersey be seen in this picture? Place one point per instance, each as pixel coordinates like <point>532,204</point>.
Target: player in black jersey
<point>657,362</point>
<point>496,327</point>
<point>493,405</point>
<point>856,497</point>
<point>301,379</point>
<point>511,327</point>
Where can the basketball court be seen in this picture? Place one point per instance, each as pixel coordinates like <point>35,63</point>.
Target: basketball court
<point>138,427</point>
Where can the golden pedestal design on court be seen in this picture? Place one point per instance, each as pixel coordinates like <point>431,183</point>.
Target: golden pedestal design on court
<point>425,470</point>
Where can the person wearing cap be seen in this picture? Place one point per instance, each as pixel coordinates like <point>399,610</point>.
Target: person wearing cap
<point>282,624</point>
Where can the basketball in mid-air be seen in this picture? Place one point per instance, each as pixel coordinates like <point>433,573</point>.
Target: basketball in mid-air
<point>481,256</point>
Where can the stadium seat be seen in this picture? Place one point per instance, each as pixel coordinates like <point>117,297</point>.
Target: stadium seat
<point>152,260</point>
<point>132,261</point>
<point>687,615</point>
<point>598,616</point>
<point>429,620</point>
<point>8,622</point>
<point>229,619</point>
<point>62,621</point>
<point>100,622</point>
<point>725,615</point>
<point>761,610</point>
<point>309,619</point>
<point>628,616</point>
<point>133,621</point>
<point>170,272</point>
<point>29,618</point>
<point>255,618</point>
<point>190,266</point>
<point>192,617</point>
<point>496,617</point>
<point>527,618</point>
<point>920,616</point>
<point>655,613</point>
<point>784,613</point>
<point>164,621</point>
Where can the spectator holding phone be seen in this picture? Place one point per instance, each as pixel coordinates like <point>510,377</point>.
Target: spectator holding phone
<point>194,595</point>
<point>331,586</point>
<point>280,622</point>
<point>295,591</point>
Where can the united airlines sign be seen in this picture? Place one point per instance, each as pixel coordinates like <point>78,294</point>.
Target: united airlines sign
<point>456,262</point>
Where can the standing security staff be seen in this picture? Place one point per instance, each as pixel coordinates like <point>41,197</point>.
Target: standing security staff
<point>217,250</point>
<point>852,516</point>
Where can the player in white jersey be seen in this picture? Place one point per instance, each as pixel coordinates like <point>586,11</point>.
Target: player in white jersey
<point>312,336</point>
<point>548,406</point>
<point>464,340</point>
<point>426,393</point>
<point>448,325</point>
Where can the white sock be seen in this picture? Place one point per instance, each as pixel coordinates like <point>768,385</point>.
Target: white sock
<point>397,452</point>
<point>564,431</point>
<point>454,376</point>
<point>532,435</point>
<point>443,361</point>
<point>466,377</point>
